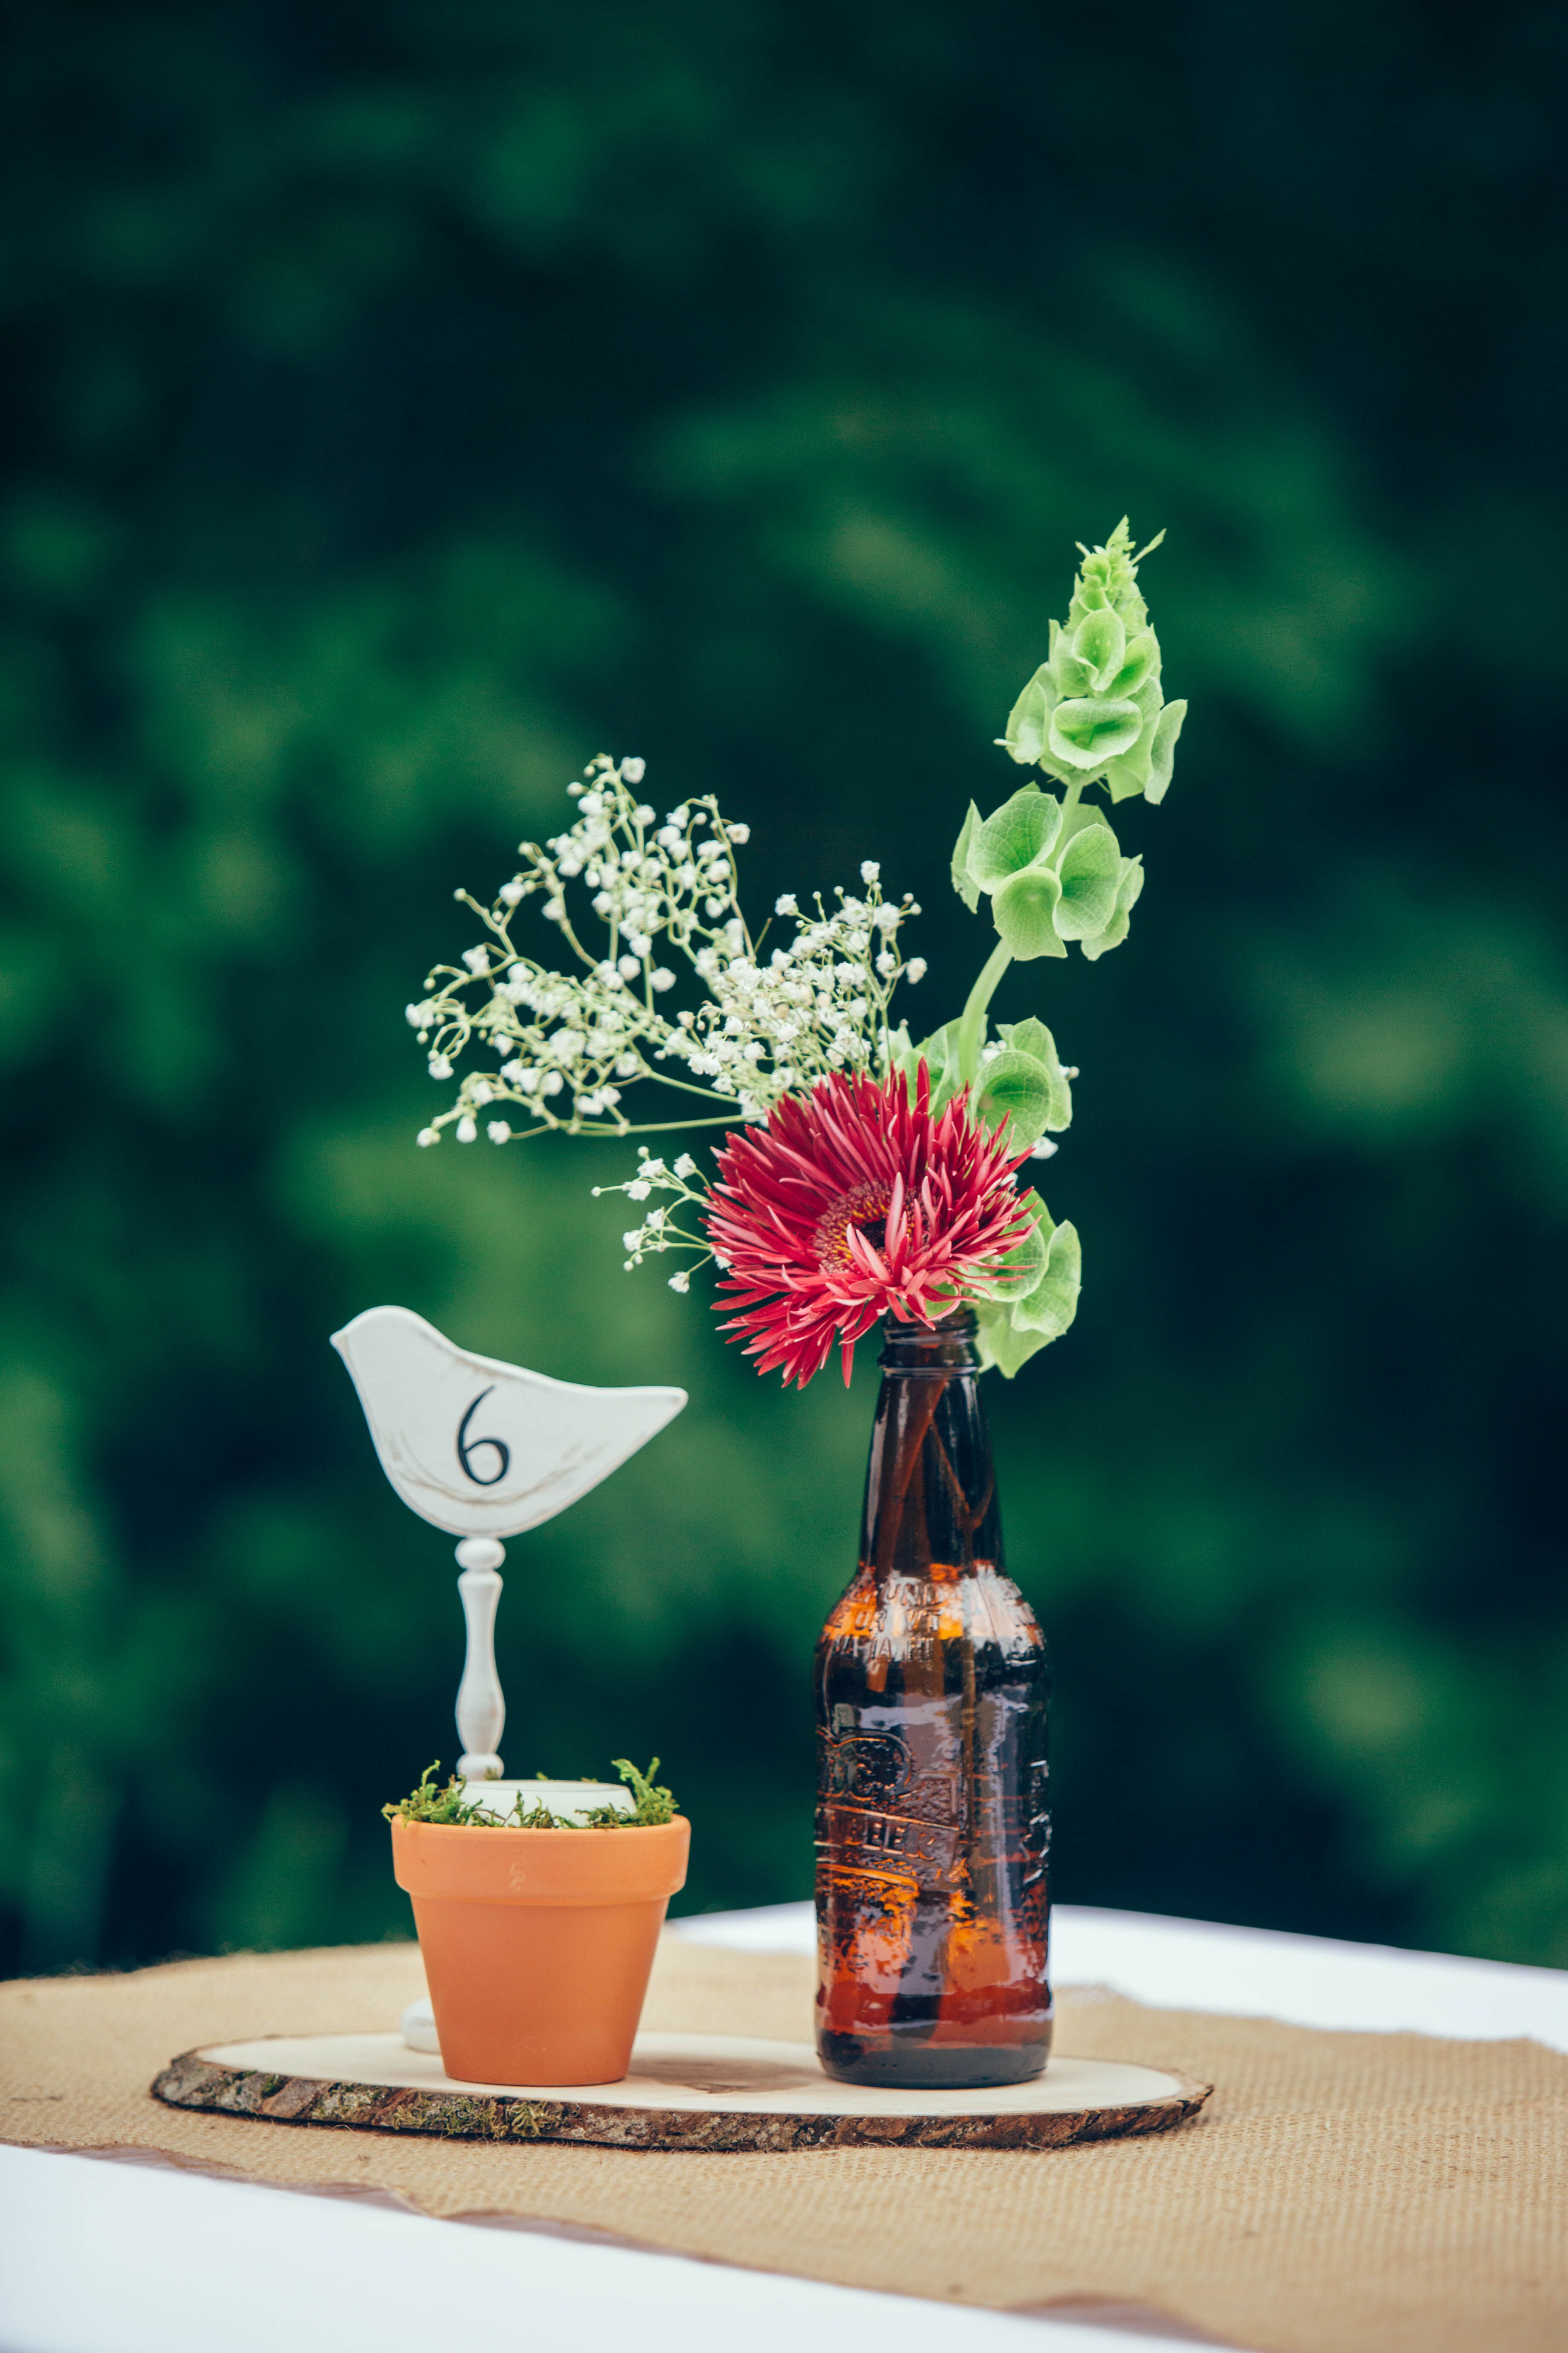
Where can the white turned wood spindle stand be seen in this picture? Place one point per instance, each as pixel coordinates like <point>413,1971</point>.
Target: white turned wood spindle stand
<point>482,1709</point>
<point>544,1444</point>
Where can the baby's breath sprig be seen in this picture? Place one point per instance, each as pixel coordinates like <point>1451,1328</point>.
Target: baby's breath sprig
<point>568,1045</point>
<point>658,1230</point>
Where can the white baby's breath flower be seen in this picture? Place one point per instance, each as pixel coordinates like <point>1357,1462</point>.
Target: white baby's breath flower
<point>1044,1150</point>
<point>681,1283</point>
<point>498,1131</point>
<point>428,1136</point>
<point>634,772</point>
<point>467,1131</point>
<point>563,1037</point>
<point>871,872</point>
<point>915,969</point>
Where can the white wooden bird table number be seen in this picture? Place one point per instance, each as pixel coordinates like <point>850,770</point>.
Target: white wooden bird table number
<point>486,1451</point>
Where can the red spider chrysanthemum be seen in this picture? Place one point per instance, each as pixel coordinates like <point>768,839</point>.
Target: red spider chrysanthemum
<point>853,1202</point>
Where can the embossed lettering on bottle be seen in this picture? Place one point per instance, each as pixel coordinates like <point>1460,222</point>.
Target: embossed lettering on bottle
<point>932,1821</point>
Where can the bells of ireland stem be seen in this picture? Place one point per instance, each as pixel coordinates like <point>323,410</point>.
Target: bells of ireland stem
<point>1095,710</point>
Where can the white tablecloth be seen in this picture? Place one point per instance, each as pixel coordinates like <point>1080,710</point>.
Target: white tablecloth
<point>122,2257</point>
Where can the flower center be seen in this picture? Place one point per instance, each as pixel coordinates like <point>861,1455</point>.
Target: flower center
<point>865,1208</point>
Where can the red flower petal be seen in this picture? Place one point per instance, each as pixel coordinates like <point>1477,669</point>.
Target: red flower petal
<point>851,1202</point>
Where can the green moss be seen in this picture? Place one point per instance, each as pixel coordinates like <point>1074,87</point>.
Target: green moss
<point>448,1805</point>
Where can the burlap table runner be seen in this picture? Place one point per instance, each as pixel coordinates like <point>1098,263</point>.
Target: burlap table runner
<point>1342,2193</point>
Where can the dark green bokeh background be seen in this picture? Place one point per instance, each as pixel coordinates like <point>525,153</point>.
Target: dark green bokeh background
<point>405,402</point>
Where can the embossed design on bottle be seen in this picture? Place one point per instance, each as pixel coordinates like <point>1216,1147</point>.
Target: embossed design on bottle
<point>933,1827</point>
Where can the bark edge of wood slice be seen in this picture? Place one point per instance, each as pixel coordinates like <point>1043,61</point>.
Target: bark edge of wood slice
<point>685,2092</point>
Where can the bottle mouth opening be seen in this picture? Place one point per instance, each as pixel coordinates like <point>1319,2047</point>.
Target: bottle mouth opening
<point>959,1326</point>
<point>947,1346</point>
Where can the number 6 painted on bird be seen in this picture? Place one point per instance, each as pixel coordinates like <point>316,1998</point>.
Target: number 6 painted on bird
<point>551,1441</point>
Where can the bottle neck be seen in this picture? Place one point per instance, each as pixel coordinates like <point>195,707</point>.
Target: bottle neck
<point>931,1492</point>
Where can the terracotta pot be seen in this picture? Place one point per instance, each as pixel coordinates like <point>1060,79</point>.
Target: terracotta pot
<point>538,1944</point>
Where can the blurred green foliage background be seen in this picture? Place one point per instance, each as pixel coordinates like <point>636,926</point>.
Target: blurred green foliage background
<point>405,402</point>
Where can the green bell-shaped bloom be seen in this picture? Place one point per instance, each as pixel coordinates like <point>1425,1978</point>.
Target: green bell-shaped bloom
<point>1050,878</point>
<point>1095,710</point>
<point>1130,882</point>
<point>1036,1295</point>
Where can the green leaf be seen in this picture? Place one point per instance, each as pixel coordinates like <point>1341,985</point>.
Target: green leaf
<point>1051,1307</point>
<point>1029,718</point>
<point>1011,1331</point>
<point>1032,1037</point>
<point>1013,1093</point>
<point>903,1057</point>
<point>1164,752</point>
<point>1020,832</point>
<point>1115,932</point>
<point>939,1054</point>
<point>1100,642</point>
<point>963,883</point>
<point>1090,732</point>
<point>999,1343</point>
<point>1090,872</point>
<point>1024,1267</point>
<point>1023,909</point>
<point>1029,1037</point>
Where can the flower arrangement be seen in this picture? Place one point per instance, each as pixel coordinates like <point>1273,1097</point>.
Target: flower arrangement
<point>865,1173</point>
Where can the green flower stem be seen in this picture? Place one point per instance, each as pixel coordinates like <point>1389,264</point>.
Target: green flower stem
<point>663,1079</point>
<point>972,1020</point>
<point>656,1128</point>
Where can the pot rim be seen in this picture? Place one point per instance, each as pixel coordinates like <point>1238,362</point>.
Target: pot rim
<point>517,1829</point>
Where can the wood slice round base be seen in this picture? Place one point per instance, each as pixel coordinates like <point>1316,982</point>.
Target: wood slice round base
<point>710,2092</point>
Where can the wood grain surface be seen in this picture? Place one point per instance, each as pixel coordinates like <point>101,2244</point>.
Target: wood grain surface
<point>193,2081</point>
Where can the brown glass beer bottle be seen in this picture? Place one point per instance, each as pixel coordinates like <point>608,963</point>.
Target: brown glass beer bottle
<point>930,1692</point>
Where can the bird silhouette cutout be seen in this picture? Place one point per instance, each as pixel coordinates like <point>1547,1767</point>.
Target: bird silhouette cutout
<point>481,1447</point>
